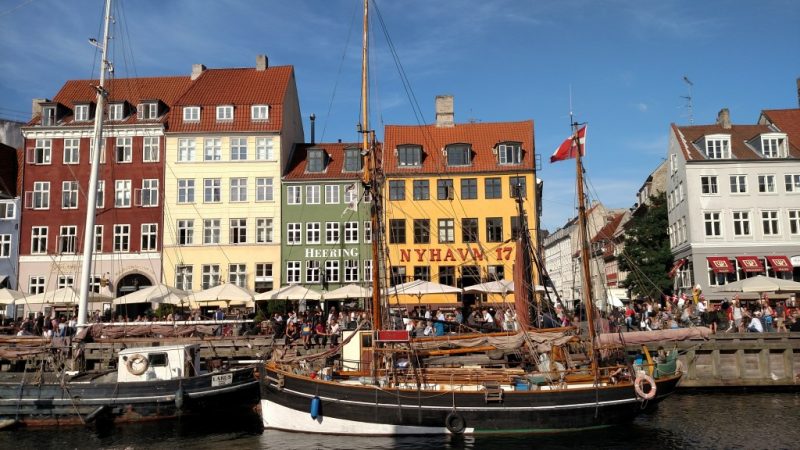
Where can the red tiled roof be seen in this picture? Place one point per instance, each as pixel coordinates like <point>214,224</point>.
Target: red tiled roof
<point>788,121</point>
<point>241,88</point>
<point>483,137</point>
<point>296,169</point>
<point>607,232</point>
<point>740,134</point>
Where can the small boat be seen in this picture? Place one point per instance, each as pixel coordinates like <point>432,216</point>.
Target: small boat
<point>149,383</point>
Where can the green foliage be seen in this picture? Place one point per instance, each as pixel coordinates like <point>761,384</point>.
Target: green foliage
<point>164,309</point>
<point>647,257</point>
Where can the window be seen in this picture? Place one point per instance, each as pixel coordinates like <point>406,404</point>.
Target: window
<point>36,285</point>
<point>210,276</point>
<point>65,281</point>
<point>6,210</point>
<point>351,195</point>
<point>447,232</point>
<point>517,186</point>
<point>312,271</point>
<point>264,277</point>
<point>444,189</point>
<point>124,150</point>
<point>708,184</point>
<point>458,155</point>
<point>122,193</point>
<point>397,231</point>
<point>100,197</point>
<point>350,270</point>
<point>409,156</point>
<point>42,152</point>
<point>186,148</point>
<point>493,188</point>
<point>422,190</point>
<point>41,195</point>
<point>263,230</point>
<point>259,112</point>
<point>422,273</point>
<point>237,274</point>
<point>67,239</point>
<point>116,111</point>
<point>316,160</point>
<point>332,231</point>
<point>769,223</point>
<point>496,273</point>
<point>792,182</point>
<point>509,153</point>
<point>69,194</point>
<point>469,230</point>
<point>741,223</point>
<point>185,190</point>
<point>147,111</point>
<point>397,190</point>
<point>149,234</point>
<point>265,149</point>
<point>102,151</point>
<point>294,195</point>
<point>122,235</point>
<point>422,231</point>
<point>212,150</point>
<point>766,183</point>
<point>264,189</point>
<point>398,275</point>
<point>212,190</point>
<point>738,184</point>
<point>367,270</point>
<point>712,224</point>
<point>312,194</point>
<point>494,229</point>
<point>72,153</point>
<point>447,275</point>
<point>332,271</point>
<point>224,113</point>
<point>238,231</point>
<point>368,232</point>
<point>149,193</point>
<point>773,147</point>
<point>680,192</point>
<point>191,113</point>
<point>350,232</point>
<point>794,221</point>
<point>719,148</point>
<point>185,228</point>
<point>469,188</point>
<point>211,231</point>
<point>238,192</point>
<point>38,240</point>
<point>294,234</point>
<point>150,150</point>
<point>183,275</point>
<point>81,113</point>
<point>48,116</point>
<point>352,160</point>
<point>238,149</point>
<point>332,194</point>
<point>516,227</point>
<point>313,233</point>
<point>292,272</point>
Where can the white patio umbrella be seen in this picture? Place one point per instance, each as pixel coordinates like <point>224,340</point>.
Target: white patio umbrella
<point>760,283</point>
<point>348,291</point>
<point>160,293</point>
<point>9,295</point>
<point>420,288</point>
<point>492,287</point>
<point>227,294</point>
<point>290,292</point>
<point>65,296</point>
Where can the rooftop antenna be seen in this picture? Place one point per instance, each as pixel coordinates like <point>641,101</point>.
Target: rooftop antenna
<point>688,98</point>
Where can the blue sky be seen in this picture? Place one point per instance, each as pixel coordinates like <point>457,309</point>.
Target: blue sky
<point>503,60</point>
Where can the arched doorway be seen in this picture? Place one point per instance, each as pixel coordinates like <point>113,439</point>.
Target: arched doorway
<point>131,283</point>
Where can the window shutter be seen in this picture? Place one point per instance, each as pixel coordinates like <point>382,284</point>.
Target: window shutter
<point>30,155</point>
<point>28,200</point>
<point>141,111</point>
<point>137,197</point>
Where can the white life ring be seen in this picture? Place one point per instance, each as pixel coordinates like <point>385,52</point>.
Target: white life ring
<point>140,362</point>
<point>637,386</point>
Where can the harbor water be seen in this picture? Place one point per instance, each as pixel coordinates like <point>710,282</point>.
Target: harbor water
<point>684,421</point>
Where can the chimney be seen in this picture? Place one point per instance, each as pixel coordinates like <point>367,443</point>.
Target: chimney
<point>724,118</point>
<point>36,106</point>
<point>313,118</point>
<point>262,62</point>
<point>197,70</point>
<point>444,111</point>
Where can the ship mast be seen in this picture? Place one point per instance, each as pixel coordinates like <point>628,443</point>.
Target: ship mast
<point>91,194</point>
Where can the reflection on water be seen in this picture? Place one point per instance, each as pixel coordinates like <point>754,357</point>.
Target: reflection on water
<point>696,421</point>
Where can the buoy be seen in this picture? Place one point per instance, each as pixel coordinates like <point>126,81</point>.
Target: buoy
<point>455,423</point>
<point>316,405</point>
<point>92,416</point>
<point>179,398</point>
<point>637,386</point>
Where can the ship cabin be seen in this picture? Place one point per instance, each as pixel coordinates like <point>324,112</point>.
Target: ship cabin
<point>162,363</point>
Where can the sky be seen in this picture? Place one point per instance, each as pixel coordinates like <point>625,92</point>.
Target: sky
<point>618,65</point>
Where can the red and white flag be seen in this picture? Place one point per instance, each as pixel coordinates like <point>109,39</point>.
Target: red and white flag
<point>569,148</point>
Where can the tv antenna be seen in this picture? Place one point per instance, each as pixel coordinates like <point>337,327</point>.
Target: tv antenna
<point>688,98</point>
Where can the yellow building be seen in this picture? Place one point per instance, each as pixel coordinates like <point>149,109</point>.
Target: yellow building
<point>449,196</point>
<point>225,149</point>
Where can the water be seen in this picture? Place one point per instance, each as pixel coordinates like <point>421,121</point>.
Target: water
<point>683,421</point>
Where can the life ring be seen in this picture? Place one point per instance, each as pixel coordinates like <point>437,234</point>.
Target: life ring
<point>140,361</point>
<point>637,386</point>
<point>455,423</point>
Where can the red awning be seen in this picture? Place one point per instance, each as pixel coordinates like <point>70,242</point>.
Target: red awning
<point>780,263</point>
<point>750,263</point>
<point>720,264</point>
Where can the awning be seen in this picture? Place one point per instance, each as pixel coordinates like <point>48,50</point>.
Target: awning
<point>750,263</point>
<point>720,264</point>
<point>780,263</point>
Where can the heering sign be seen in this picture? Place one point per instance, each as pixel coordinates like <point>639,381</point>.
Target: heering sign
<point>331,253</point>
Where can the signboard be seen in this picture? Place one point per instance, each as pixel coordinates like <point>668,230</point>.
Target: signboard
<point>222,379</point>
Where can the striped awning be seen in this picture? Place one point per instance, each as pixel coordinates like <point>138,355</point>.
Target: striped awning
<point>780,263</point>
<point>750,263</point>
<point>720,264</point>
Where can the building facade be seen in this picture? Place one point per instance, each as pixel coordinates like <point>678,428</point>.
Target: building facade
<point>9,242</point>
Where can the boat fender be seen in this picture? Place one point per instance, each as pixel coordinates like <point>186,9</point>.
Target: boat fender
<point>179,398</point>
<point>316,406</point>
<point>140,361</point>
<point>455,423</point>
<point>639,388</point>
<point>92,416</point>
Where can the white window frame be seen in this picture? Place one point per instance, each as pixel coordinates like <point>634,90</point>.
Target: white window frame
<point>122,193</point>
<point>710,184</point>
<point>72,151</point>
<point>368,232</point>
<point>294,233</point>
<point>259,113</point>
<point>237,192</point>
<point>212,149</point>
<point>36,284</point>
<point>791,182</point>
<point>264,230</point>
<point>367,270</point>
<point>351,269</point>
<point>793,216</point>
<point>212,186</point>
<point>151,149</point>
<point>39,235</point>
<point>42,152</point>
<point>313,233</point>
<point>238,231</point>
<point>65,281</point>
<point>265,149</point>
<point>212,230</point>
<point>293,272</point>
<point>191,113</point>
<point>351,232</point>
<point>718,147</point>
<point>184,274</point>
<point>5,245</point>
<point>8,210</point>
<point>186,149</point>
<point>237,274</point>
<point>294,195</point>
<point>147,111</point>
<point>98,238</point>
<point>333,232</point>
<point>712,219</point>
<point>332,194</point>
<point>116,111</point>
<point>100,196</point>
<point>102,150</point>
<point>224,113</point>
<point>265,189</point>
<point>41,195</point>
<point>766,184</point>
<point>149,237</point>
<point>69,194</point>
<point>210,276</point>
<point>184,232</point>
<point>313,194</point>
<point>186,190</point>
<point>773,145</point>
<point>516,153</point>
<point>770,225</point>
<point>741,223</point>
<point>738,184</point>
<point>332,272</point>
<point>81,113</point>
<point>123,150</point>
<point>238,149</point>
<point>148,195</point>
<point>122,238</point>
<point>313,274</point>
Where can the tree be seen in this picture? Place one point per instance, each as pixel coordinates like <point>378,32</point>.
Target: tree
<point>647,257</point>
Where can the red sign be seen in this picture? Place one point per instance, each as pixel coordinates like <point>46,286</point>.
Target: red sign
<point>720,264</point>
<point>780,263</point>
<point>750,263</point>
<point>393,336</point>
<point>454,255</point>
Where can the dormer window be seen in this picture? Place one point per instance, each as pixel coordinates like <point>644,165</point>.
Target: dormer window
<point>718,147</point>
<point>458,155</point>
<point>409,156</point>
<point>259,112</point>
<point>81,113</point>
<point>191,113</point>
<point>224,113</point>
<point>48,116</point>
<point>509,153</point>
<point>147,111</point>
<point>773,146</point>
<point>116,111</point>
<point>315,160</point>
<point>352,160</point>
